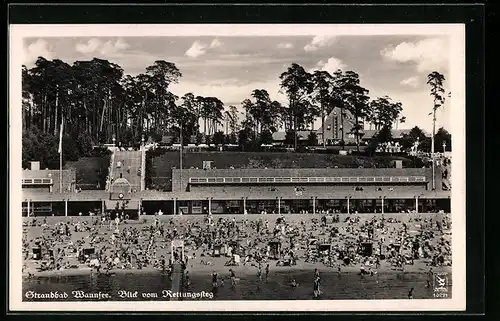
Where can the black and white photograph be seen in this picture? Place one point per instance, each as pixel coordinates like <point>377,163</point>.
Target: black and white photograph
<point>237,167</point>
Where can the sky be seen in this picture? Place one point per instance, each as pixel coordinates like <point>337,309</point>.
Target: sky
<point>231,67</point>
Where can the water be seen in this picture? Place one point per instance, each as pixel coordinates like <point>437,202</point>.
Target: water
<point>391,285</point>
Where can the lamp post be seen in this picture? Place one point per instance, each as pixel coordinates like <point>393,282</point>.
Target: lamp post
<point>180,155</point>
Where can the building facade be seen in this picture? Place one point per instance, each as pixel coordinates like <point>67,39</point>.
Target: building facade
<point>338,126</point>
<point>252,191</point>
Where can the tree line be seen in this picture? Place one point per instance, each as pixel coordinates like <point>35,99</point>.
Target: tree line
<point>98,102</point>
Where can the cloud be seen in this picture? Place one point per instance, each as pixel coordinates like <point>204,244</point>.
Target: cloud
<point>113,47</point>
<point>428,54</point>
<point>197,49</point>
<point>319,42</point>
<point>38,48</point>
<point>331,65</point>
<point>286,45</point>
<point>105,48</point>
<point>215,43</point>
<point>411,82</point>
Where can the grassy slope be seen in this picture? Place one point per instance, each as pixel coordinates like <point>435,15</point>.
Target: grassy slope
<point>87,171</point>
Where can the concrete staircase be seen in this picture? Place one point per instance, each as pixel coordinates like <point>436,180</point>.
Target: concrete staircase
<point>129,164</point>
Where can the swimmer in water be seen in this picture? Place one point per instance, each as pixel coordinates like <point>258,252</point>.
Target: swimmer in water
<point>214,279</point>
<point>316,290</point>
<point>294,283</point>
<point>188,279</point>
<point>233,278</point>
<point>410,294</point>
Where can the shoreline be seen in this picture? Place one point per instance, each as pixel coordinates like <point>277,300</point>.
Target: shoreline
<point>241,270</point>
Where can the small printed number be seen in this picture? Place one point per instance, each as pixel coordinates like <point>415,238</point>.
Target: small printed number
<point>441,295</point>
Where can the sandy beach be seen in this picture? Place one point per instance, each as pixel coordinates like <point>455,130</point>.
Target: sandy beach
<point>200,259</point>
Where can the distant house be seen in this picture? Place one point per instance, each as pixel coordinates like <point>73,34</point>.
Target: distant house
<point>365,136</point>
<point>334,124</point>
<point>302,135</point>
<point>167,140</point>
<point>397,134</point>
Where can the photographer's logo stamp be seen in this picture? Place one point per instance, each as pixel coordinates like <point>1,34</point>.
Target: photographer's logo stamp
<point>440,285</point>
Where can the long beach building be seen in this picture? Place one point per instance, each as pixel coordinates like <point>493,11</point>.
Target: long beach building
<point>242,190</point>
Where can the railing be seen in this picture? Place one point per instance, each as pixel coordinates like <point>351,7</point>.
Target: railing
<point>143,168</point>
<point>356,179</point>
<point>37,181</point>
<point>110,171</point>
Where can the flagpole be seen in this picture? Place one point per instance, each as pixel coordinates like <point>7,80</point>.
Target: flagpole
<point>180,156</point>
<point>60,172</point>
<point>61,157</point>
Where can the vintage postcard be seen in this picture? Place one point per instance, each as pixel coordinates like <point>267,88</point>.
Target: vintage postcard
<point>237,167</point>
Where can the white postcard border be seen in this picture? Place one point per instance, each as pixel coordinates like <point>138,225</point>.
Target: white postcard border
<point>456,33</point>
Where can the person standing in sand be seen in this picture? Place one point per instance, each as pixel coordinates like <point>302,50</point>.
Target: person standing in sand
<point>430,275</point>
<point>233,278</point>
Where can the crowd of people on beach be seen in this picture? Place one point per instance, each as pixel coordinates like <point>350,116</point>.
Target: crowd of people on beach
<point>106,244</point>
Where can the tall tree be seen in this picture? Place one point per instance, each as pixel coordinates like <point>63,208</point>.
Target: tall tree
<point>384,112</point>
<point>234,122</point>
<point>211,111</point>
<point>323,95</point>
<point>183,118</point>
<point>443,139</point>
<point>251,119</point>
<point>435,81</point>
<point>357,102</point>
<point>298,86</point>
<point>265,112</point>
<point>161,75</point>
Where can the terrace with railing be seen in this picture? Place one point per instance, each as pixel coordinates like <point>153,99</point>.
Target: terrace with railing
<point>306,176</point>
<point>310,189</point>
<point>37,181</point>
<point>159,167</point>
<point>48,180</point>
<point>285,180</point>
